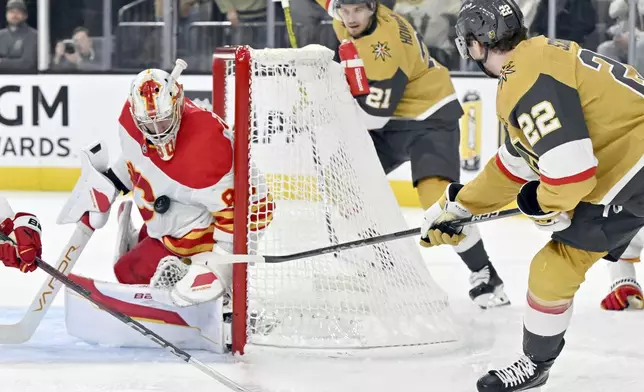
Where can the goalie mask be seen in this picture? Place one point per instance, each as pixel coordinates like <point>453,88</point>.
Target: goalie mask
<point>156,105</point>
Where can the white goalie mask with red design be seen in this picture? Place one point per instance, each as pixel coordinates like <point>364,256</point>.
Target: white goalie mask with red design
<point>156,105</point>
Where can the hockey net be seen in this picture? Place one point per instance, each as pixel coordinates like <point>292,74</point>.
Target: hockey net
<point>297,133</point>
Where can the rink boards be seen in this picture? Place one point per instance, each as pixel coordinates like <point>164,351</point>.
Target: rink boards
<point>45,119</point>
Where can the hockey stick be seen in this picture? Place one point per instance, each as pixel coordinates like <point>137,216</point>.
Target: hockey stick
<point>206,258</point>
<point>24,329</point>
<point>286,6</point>
<point>60,277</point>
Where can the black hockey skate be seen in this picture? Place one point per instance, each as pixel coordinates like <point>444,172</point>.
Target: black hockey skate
<point>523,375</point>
<point>487,288</point>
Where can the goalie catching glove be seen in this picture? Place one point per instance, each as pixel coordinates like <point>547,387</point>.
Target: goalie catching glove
<point>436,229</point>
<point>25,245</point>
<point>528,203</point>
<point>182,282</point>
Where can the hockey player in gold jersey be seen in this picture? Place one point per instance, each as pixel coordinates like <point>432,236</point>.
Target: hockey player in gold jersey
<point>412,113</point>
<point>573,161</point>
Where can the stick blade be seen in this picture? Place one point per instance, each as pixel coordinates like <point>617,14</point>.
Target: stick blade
<point>17,333</point>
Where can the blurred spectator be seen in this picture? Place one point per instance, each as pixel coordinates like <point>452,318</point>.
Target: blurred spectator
<point>188,13</point>
<point>617,48</point>
<point>239,12</point>
<point>18,42</point>
<point>576,20</point>
<point>308,16</point>
<point>32,11</point>
<point>187,10</point>
<point>216,15</point>
<point>529,10</point>
<point>76,53</point>
<point>434,21</point>
<point>64,17</point>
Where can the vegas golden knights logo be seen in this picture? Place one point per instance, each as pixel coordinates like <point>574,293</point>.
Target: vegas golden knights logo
<point>471,126</point>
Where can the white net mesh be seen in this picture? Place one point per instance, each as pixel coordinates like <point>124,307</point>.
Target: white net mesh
<point>328,186</point>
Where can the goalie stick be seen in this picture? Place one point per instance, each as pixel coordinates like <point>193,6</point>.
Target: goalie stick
<point>208,257</point>
<point>24,329</point>
<point>142,329</point>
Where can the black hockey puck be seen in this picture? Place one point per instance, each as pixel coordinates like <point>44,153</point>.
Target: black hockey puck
<point>162,204</point>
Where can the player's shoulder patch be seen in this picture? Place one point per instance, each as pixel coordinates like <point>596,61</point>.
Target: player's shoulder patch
<point>517,76</point>
<point>381,50</point>
<point>523,68</point>
<point>506,72</point>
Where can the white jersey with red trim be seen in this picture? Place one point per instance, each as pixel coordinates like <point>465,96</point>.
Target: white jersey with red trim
<point>198,180</point>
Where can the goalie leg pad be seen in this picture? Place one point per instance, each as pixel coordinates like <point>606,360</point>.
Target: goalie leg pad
<point>139,264</point>
<point>195,327</point>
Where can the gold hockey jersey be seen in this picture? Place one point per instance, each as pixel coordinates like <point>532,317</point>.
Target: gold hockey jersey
<point>575,121</point>
<point>405,81</point>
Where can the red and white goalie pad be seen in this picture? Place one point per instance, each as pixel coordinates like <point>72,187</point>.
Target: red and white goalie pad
<point>195,327</point>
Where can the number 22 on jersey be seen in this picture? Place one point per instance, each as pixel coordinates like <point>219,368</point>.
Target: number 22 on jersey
<point>623,74</point>
<point>542,118</point>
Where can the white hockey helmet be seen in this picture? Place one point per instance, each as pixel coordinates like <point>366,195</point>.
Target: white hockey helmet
<point>156,105</point>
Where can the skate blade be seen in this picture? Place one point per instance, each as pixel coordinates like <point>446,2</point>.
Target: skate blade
<point>496,299</point>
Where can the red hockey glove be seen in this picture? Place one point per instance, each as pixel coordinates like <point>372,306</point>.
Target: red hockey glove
<point>625,293</point>
<point>353,69</point>
<point>25,230</point>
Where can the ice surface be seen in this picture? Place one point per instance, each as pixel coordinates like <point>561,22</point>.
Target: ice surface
<point>603,351</point>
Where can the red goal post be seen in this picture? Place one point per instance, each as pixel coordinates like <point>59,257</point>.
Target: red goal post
<point>220,69</point>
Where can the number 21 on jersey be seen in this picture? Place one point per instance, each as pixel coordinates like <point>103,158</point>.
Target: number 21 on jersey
<point>379,98</point>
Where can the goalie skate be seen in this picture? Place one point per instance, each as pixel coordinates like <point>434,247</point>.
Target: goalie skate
<point>487,288</point>
<point>127,235</point>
